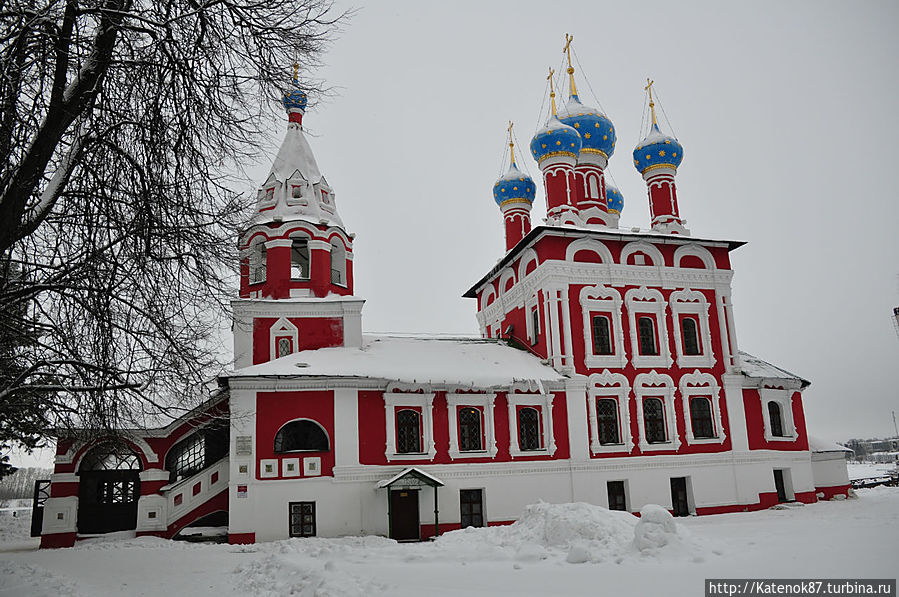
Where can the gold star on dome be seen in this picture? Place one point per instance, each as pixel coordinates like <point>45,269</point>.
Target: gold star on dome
<point>503,189</point>
<point>586,135</point>
<point>572,144</point>
<point>661,153</point>
<point>558,142</point>
<point>648,156</point>
<point>521,179</point>
<point>514,188</point>
<point>667,142</point>
<point>577,125</point>
<point>596,125</point>
<point>637,162</point>
<point>605,137</point>
<point>674,155</point>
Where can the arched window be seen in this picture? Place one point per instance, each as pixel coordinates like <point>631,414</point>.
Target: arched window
<point>301,436</point>
<point>690,336</point>
<point>408,432</point>
<point>774,416</point>
<point>299,259</point>
<point>110,457</point>
<point>529,429</point>
<point>701,418</point>
<point>594,188</point>
<point>257,263</point>
<point>654,421</point>
<point>647,336</point>
<point>338,263</point>
<point>469,429</point>
<point>607,417</point>
<point>602,335</point>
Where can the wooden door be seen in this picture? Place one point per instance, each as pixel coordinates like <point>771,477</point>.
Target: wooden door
<point>107,501</point>
<point>779,485</point>
<point>679,502</point>
<point>404,522</point>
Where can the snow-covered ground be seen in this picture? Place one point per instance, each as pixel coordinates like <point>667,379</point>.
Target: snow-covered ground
<point>864,470</point>
<point>563,549</point>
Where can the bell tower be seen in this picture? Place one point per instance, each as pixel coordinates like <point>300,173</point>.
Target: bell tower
<point>296,257</point>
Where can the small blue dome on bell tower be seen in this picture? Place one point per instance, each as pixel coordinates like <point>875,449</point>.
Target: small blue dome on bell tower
<point>295,99</point>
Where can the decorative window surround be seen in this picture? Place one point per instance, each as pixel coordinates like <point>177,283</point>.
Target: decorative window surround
<point>692,302</point>
<point>591,245</point>
<point>508,274</point>
<point>527,256</point>
<point>601,300</point>
<point>639,246</point>
<point>545,402</point>
<point>650,301</point>
<point>609,385</point>
<point>426,403</point>
<point>485,403</point>
<point>702,384</point>
<point>656,385</point>
<point>489,293</point>
<point>696,251</point>
<point>282,329</point>
<point>785,399</point>
<point>530,306</point>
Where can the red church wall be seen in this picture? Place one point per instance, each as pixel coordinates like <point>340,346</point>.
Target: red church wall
<point>313,333</point>
<point>373,432</point>
<point>755,423</point>
<point>274,409</point>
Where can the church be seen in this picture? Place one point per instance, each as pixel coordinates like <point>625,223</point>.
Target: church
<point>607,372</point>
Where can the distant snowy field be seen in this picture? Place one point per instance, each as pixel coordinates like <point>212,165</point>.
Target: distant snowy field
<point>560,549</point>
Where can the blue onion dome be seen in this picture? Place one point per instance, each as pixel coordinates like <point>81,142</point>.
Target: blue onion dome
<point>514,187</point>
<point>614,199</point>
<point>657,150</point>
<point>596,130</point>
<point>295,98</point>
<point>555,138</point>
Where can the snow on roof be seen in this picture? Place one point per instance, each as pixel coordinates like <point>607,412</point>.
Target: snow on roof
<point>422,359</point>
<point>295,154</point>
<point>816,444</point>
<point>755,367</point>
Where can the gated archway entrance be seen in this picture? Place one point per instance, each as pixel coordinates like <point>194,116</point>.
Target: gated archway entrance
<point>108,489</point>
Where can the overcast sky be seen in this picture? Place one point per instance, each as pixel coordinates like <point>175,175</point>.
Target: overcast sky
<point>786,112</point>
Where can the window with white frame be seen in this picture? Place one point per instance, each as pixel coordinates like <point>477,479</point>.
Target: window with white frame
<point>338,262</point>
<point>603,333</point>
<point>472,432</point>
<point>649,334</point>
<point>283,338</point>
<point>410,429</point>
<point>257,263</point>
<point>532,319</point>
<point>692,336</point>
<point>530,418</point>
<point>299,258</point>
<point>778,401</point>
<point>701,405</point>
<point>655,412</point>
<point>609,417</point>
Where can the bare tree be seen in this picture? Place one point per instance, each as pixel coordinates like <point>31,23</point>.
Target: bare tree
<point>122,124</point>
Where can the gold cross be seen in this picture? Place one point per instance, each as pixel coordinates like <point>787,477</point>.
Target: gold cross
<point>511,143</point>
<point>296,70</point>
<point>652,105</point>
<point>552,90</point>
<point>567,48</point>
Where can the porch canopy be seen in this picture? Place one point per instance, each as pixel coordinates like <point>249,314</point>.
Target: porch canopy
<point>412,478</point>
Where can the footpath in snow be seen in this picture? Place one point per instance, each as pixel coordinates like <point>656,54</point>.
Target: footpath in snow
<point>553,549</point>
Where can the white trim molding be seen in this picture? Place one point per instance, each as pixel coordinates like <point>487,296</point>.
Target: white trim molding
<point>602,300</point>
<point>656,385</point>
<point>615,386</point>
<point>280,329</point>
<point>592,245</point>
<point>545,402</point>
<point>651,301</point>
<point>784,398</point>
<point>484,402</point>
<point>695,250</point>
<point>426,403</point>
<point>527,256</point>
<point>702,384</point>
<point>640,246</point>
<point>692,302</point>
